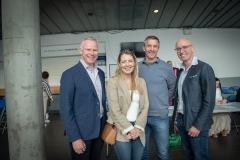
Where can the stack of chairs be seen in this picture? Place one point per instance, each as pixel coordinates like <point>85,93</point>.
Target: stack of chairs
<point>3,115</point>
<point>223,88</point>
<point>235,88</point>
<point>228,92</point>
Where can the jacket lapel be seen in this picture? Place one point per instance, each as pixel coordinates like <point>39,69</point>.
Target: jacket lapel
<point>176,85</point>
<point>124,88</point>
<point>102,79</point>
<point>141,100</point>
<point>87,79</point>
<point>191,69</point>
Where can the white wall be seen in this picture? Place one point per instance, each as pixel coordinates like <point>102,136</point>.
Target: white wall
<point>218,47</point>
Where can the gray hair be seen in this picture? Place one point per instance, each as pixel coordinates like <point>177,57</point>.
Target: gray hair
<point>88,38</point>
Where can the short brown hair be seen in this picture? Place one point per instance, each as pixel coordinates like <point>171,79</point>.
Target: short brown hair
<point>153,38</point>
<point>45,75</point>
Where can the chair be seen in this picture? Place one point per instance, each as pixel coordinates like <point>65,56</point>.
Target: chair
<point>235,88</point>
<point>223,88</point>
<point>3,115</point>
<point>231,98</point>
<point>228,92</point>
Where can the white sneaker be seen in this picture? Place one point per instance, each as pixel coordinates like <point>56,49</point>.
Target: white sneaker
<point>47,121</point>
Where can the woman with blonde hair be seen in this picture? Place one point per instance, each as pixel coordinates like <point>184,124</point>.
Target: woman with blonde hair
<point>128,107</point>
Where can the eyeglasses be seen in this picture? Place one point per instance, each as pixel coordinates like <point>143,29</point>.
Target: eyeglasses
<point>184,48</point>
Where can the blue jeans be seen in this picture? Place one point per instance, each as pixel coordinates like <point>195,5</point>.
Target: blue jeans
<point>159,125</point>
<point>196,148</point>
<point>131,150</point>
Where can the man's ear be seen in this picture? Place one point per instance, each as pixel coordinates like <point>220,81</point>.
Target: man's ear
<point>80,51</point>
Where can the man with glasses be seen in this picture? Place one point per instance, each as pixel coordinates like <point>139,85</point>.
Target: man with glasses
<point>160,82</point>
<point>195,100</point>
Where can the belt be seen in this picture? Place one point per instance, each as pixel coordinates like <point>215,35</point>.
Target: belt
<point>180,114</point>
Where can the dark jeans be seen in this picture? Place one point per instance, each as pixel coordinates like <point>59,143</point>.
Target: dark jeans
<point>93,150</point>
<point>196,148</point>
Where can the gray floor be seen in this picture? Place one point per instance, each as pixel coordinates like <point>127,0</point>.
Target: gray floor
<point>223,148</point>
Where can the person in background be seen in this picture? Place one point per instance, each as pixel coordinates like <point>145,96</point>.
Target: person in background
<point>221,121</point>
<point>47,94</point>
<point>175,70</point>
<point>160,82</point>
<point>128,107</point>
<point>238,96</point>
<point>83,103</point>
<point>195,100</point>
<point>170,63</point>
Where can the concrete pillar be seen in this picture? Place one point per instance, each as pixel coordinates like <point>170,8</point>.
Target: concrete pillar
<point>22,72</point>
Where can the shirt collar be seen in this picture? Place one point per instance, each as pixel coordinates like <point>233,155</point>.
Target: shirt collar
<point>194,62</point>
<point>157,61</point>
<point>87,67</point>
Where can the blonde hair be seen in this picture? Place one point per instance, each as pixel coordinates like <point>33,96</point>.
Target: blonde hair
<point>136,85</point>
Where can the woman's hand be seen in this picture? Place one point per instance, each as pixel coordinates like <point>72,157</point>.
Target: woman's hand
<point>224,101</point>
<point>128,136</point>
<point>135,133</point>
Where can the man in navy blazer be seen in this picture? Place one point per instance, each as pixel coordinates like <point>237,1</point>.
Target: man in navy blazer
<point>83,104</point>
<point>195,100</point>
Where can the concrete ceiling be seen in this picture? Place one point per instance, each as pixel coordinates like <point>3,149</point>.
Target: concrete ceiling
<point>73,16</point>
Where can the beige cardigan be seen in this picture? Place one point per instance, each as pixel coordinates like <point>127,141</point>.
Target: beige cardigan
<point>119,101</point>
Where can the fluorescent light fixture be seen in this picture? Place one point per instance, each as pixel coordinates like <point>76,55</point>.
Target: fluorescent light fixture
<point>155,11</point>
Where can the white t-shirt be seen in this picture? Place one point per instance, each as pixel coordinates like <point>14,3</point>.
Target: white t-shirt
<point>218,94</point>
<point>134,107</point>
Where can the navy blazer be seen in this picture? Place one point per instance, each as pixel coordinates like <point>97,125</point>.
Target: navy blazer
<point>198,93</point>
<point>79,104</point>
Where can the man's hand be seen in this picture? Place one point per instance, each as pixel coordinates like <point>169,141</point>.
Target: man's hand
<point>79,146</point>
<point>50,99</point>
<point>193,132</point>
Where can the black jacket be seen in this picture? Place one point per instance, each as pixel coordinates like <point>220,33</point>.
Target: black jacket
<point>198,93</point>
<point>238,96</point>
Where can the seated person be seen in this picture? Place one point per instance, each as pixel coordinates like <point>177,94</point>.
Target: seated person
<point>238,96</point>
<point>221,121</point>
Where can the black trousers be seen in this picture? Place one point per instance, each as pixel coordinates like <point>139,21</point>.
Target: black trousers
<point>93,150</point>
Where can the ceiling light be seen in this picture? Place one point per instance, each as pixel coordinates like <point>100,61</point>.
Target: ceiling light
<point>155,11</point>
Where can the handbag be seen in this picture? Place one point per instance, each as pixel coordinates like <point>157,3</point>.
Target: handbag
<point>174,139</point>
<point>109,133</point>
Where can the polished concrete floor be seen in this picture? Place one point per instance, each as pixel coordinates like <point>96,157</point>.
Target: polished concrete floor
<point>223,148</point>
